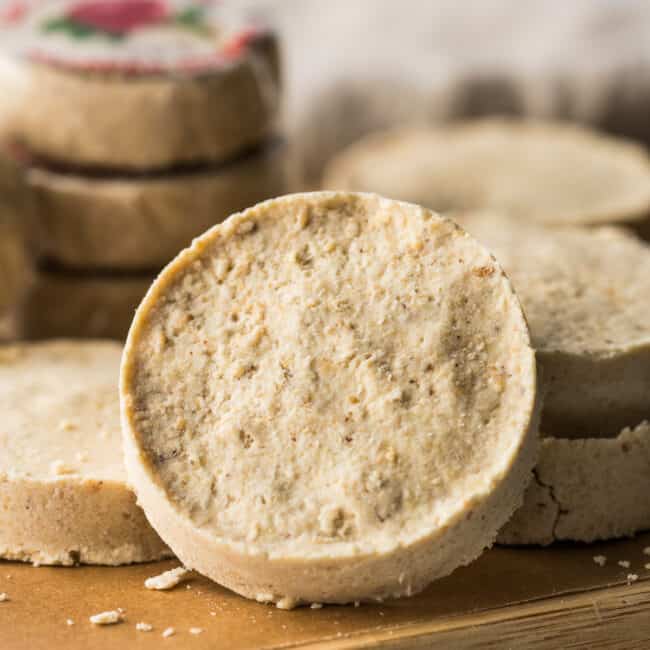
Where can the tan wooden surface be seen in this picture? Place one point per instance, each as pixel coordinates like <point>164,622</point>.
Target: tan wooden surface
<point>510,598</point>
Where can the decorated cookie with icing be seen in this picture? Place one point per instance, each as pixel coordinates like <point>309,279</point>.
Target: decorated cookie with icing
<point>138,36</point>
<point>135,83</point>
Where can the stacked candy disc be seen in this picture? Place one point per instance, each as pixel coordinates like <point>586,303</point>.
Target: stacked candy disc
<point>15,261</point>
<point>139,124</point>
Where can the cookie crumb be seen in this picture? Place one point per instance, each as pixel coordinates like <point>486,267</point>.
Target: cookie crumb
<point>600,560</point>
<point>624,563</point>
<point>196,630</point>
<point>59,468</point>
<point>647,566</point>
<point>632,577</point>
<point>246,227</point>
<point>316,605</point>
<point>69,621</point>
<point>646,550</point>
<point>143,627</point>
<point>107,618</point>
<point>357,603</point>
<point>286,603</point>
<point>167,580</point>
<point>3,597</point>
<point>213,613</point>
<point>264,597</point>
<point>170,631</point>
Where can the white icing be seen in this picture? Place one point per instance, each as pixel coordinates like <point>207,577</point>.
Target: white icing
<point>80,33</point>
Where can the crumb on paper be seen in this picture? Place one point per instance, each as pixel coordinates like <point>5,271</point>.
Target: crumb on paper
<point>59,468</point>
<point>264,597</point>
<point>107,618</point>
<point>3,597</point>
<point>143,627</point>
<point>81,456</point>
<point>69,621</point>
<point>316,605</point>
<point>167,632</point>
<point>67,425</point>
<point>632,577</point>
<point>600,560</point>
<point>196,630</point>
<point>167,580</point>
<point>624,563</point>
<point>287,602</point>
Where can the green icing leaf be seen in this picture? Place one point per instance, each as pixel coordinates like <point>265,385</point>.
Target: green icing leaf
<point>77,30</point>
<point>56,25</point>
<point>192,18</point>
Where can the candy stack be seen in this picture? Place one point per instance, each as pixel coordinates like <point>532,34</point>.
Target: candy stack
<point>140,124</point>
<point>15,260</point>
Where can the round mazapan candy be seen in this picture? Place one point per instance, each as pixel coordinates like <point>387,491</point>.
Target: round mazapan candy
<point>329,397</point>
<point>136,85</point>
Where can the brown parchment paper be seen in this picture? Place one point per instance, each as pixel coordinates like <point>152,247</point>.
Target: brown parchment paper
<point>41,599</point>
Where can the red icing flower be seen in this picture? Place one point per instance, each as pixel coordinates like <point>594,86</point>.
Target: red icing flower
<point>13,11</point>
<point>118,17</point>
<point>238,43</point>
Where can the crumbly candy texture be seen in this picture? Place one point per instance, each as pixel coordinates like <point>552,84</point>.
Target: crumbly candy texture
<point>536,171</point>
<point>586,490</point>
<point>59,408</point>
<point>329,397</point>
<point>581,291</point>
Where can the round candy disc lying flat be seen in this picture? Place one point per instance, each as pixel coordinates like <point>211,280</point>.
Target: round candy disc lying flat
<point>541,172</point>
<point>62,481</point>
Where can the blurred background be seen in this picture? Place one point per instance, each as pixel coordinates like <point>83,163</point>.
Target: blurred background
<point>352,67</point>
